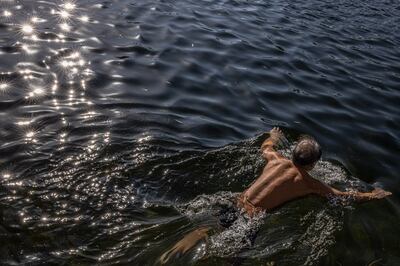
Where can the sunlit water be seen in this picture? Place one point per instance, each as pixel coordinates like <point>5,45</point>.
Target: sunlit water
<point>126,124</point>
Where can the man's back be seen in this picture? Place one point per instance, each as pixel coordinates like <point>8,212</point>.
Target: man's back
<point>280,181</point>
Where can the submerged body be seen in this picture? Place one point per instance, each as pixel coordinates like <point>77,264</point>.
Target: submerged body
<point>282,180</point>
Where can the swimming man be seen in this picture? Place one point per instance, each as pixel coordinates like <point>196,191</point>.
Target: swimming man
<point>282,180</point>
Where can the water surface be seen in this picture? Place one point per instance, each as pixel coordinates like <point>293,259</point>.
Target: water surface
<point>124,123</point>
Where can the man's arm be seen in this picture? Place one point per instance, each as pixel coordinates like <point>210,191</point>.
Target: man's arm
<point>185,244</point>
<point>325,190</point>
<point>267,147</point>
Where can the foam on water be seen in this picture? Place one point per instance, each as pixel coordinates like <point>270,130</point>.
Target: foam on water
<point>223,243</point>
<point>319,235</point>
<point>238,236</point>
<point>204,205</point>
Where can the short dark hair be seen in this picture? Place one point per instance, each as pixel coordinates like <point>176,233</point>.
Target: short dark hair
<point>306,152</point>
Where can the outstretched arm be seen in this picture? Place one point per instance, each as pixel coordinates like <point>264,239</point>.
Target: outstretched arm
<point>325,190</point>
<point>267,147</point>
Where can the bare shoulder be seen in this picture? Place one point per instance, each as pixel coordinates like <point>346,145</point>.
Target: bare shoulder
<point>295,173</point>
<point>287,169</point>
<point>298,176</point>
<point>292,175</point>
<point>308,179</point>
<point>317,187</point>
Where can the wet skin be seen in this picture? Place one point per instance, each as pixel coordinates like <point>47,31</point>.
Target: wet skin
<point>281,181</point>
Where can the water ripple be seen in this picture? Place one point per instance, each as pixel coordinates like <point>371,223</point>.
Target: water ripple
<point>113,113</point>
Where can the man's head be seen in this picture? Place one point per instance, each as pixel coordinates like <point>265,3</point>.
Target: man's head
<point>306,153</point>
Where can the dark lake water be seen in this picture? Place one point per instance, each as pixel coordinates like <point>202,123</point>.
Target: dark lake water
<point>124,123</point>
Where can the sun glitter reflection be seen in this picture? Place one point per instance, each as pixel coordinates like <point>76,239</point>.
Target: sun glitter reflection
<point>27,49</point>
<point>30,136</point>
<point>24,123</point>
<point>84,18</point>
<point>35,92</point>
<point>65,27</point>
<point>89,115</point>
<point>35,19</point>
<point>106,137</point>
<point>64,14</point>
<point>27,29</point>
<point>7,13</point>
<point>69,6</point>
<point>72,62</point>
<point>63,137</point>
<point>4,86</point>
<point>48,35</point>
<point>6,175</point>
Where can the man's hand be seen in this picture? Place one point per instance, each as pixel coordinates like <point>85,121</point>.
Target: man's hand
<point>275,134</point>
<point>185,244</point>
<point>379,193</point>
<point>267,147</point>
